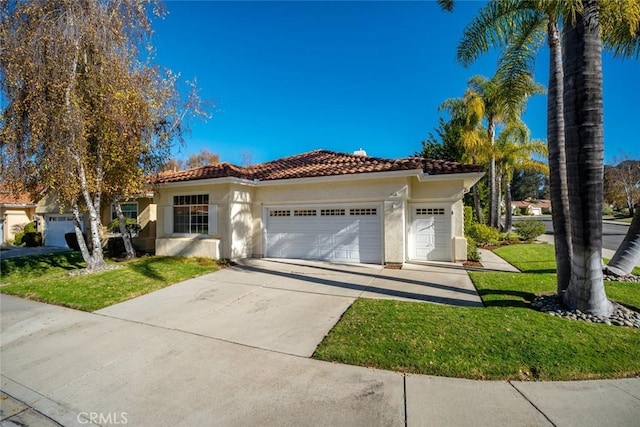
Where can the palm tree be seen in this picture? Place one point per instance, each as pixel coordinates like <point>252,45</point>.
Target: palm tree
<point>466,113</point>
<point>494,26</point>
<point>503,102</point>
<point>514,153</point>
<point>582,63</point>
<point>519,26</point>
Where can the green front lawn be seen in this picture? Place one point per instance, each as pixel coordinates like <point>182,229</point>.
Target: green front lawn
<point>45,278</point>
<point>505,340</point>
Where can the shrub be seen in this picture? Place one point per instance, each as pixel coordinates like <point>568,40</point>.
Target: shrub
<point>131,225</point>
<point>72,240</point>
<point>472,250</point>
<point>524,211</point>
<point>483,234</point>
<point>468,218</point>
<point>32,239</point>
<point>509,238</point>
<point>529,229</point>
<point>17,238</point>
<point>115,247</point>
<point>30,227</point>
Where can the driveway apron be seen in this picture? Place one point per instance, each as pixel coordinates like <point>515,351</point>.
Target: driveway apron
<point>283,305</point>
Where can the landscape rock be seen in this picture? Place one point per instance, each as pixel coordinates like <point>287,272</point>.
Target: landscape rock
<point>621,316</point>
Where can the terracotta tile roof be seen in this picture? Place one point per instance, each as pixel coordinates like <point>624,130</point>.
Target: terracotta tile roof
<point>8,198</point>
<point>315,164</point>
<point>542,203</point>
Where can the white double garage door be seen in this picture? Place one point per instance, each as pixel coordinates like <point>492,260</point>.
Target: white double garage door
<point>351,233</point>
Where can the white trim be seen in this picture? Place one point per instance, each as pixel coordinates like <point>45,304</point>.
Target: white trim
<point>292,181</point>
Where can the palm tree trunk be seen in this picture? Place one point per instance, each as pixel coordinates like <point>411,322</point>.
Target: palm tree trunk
<point>628,254</point>
<point>508,219</point>
<point>557,161</point>
<point>477,205</point>
<point>493,191</point>
<point>582,61</point>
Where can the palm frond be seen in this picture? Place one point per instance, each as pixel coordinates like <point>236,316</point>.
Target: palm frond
<point>493,26</point>
<point>446,5</point>
<point>620,27</point>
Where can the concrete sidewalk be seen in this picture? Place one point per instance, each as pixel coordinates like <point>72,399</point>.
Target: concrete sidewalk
<point>75,367</point>
<point>493,262</point>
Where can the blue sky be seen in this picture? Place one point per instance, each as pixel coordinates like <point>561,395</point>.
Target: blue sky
<point>290,77</point>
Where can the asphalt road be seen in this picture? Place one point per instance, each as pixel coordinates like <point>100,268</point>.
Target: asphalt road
<point>612,234</point>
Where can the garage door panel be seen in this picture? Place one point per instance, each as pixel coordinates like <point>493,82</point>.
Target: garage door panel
<point>333,234</point>
<point>430,234</point>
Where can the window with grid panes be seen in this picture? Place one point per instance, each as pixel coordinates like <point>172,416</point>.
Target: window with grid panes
<point>191,214</point>
<point>129,210</point>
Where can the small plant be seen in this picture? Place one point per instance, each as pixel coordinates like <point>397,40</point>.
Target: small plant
<point>472,250</point>
<point>509,238</point>
<point>529,229</point>
<point>484,235</point>
<point>131,225</point>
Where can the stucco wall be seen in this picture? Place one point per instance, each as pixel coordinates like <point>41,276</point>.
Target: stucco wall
<point>15,218</point>
<point>459,243</point>
<point>219,196</point>
<point>240,210</point>
<point>240,221</point>
<point>436,190</point>
<point>196,247</point>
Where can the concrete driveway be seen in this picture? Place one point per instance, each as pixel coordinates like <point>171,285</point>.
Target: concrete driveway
<point>288,306</point>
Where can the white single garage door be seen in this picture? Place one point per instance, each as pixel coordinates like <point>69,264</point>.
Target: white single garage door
<point>430,233</point>
<point>56,227</point>
<point>327,233</point>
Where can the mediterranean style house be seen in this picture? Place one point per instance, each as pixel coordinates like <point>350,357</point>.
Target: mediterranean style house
<point>319,205</point>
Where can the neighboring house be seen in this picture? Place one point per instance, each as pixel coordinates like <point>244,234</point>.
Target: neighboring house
<point>15,212</point>
<point>56,222</point>
<point>319,205</point>
<point>537,207</point>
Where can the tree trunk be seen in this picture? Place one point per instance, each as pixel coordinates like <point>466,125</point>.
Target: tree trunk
<point>126,236</point>
<point>477,205</point>
<point>508,219</point>
<point>558,162</point>
<point>628,254</point>
<point>84,250</point>
<point>493,191</point>
<point>97,256</point>
<point>582,63</point>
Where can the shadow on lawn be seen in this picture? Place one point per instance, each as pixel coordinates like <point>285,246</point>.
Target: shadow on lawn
<point>523,300</point>
<point>42,263</point>
<point>145,267</point>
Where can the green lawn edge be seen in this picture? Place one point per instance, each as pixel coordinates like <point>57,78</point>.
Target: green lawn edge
<point>45,278</point>
<point>505,340</point>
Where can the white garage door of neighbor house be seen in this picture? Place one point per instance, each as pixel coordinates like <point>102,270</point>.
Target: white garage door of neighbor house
<point>327,233</point>
<point>430,239</point>
<point>56,227</point>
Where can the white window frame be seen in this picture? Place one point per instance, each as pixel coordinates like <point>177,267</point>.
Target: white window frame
<point>114,215</point>
<point>169,217</point>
